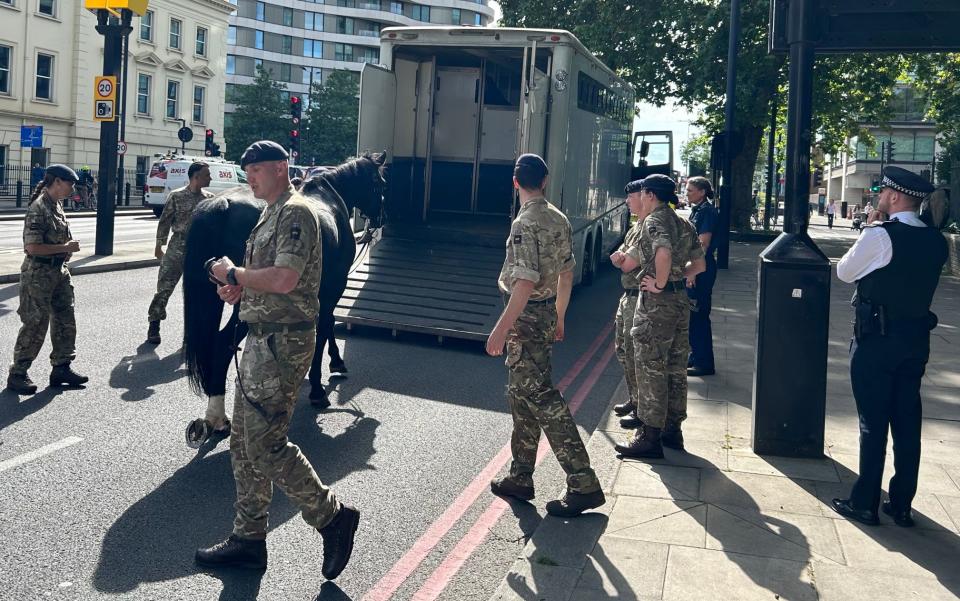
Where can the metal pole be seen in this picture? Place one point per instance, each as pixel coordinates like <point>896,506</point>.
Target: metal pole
<point>771,151</point>
<point>123,113</point>
<point>726,188</point>
<point>799,124</point>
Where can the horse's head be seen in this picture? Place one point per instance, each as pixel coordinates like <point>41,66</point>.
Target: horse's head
<point>373,171</point>
<point>361,184</point>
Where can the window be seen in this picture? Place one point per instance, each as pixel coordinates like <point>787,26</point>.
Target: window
<point>232,35</point>
<point>231,93</point>
<point>343,52</point>
<point>175,26</point>
<point>173,94</point>
<point>198,94</point>
<point>6,59</point>
<point>260,10</point>
<point>370,30</point>
<point>44,88</point>
<point>313,21</point>
<point>396,8</point>
<point>47,7</point>
<point>477,19</point>
<point>421,13</point>
<point>370,4</point>
<point>143,93</point>
<point>345,25</point>
<point>370,55</point>
<point>287,44</point>
<point>201,41</point>
<point>288,17</point>
<point>146,26</point>
<point>313,48</point>
<point>258,42</point>
<point>455,17</point>
<point>231,64</point>
<point>312,76</point>
<point>347,3</point>
<point>286,73</point>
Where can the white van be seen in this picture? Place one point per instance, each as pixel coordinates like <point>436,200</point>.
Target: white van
<point>169,173</point>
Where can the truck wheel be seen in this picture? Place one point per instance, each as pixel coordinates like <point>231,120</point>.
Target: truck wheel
<point>157,211</point>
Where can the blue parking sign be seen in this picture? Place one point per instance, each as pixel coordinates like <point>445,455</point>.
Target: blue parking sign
<point>31,136</point>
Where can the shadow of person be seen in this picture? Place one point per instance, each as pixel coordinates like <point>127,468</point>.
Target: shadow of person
<point>139,373</point>
<point>14,408</point>
<point>330,591</point>
<point>528,519</point>
<point>6,294</point>
<point>239,585</point>
<point>155,538</point>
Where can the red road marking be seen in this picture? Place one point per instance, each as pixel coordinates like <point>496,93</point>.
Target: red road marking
<point>445,572</point>
<point>412,559</point>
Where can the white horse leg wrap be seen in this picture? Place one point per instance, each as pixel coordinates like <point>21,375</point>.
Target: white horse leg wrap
<point>216,413</point>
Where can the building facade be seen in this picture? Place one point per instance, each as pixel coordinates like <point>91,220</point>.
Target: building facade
<point>300,42</point>
<point>50,52</point>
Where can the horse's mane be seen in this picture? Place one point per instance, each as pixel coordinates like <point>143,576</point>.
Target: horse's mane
<point>351,180</point>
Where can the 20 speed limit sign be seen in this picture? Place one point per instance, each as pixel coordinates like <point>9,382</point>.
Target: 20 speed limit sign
<point>104,97</point>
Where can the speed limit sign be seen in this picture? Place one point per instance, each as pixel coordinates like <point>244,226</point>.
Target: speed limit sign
<point>121,148</point>
<point>105,87</point>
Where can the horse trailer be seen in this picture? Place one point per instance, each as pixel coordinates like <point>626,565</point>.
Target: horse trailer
<point>454,107</point>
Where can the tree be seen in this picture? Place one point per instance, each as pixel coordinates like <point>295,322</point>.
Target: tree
<point>261,114</point>
<point>678,49</point>
<point>331,120</point>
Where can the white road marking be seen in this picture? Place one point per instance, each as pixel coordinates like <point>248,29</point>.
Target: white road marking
<point>28,457</point>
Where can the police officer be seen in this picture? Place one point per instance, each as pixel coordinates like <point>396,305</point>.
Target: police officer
<point>176,216</point>
<point>896,264</point>
<point>46,290</point>
<point>670,254</point>
<point>277,292</point>
<point>537,278</point>
<point>700,289</point>
<point>630,280</point>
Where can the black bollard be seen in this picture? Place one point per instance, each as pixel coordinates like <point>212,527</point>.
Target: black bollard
<point>19,193</point>
<point>126,194</point>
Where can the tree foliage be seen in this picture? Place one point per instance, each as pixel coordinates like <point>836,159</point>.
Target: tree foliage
<point>331,120</point>
<point>261,114</point>
<point>678,49</point>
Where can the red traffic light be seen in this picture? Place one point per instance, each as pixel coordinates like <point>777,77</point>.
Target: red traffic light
<point>294,134</point>
<point>209,133</point>
<point>294,100</point>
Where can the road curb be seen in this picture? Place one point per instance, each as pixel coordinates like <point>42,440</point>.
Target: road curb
<point>71,215</point>
<point>10,278</point>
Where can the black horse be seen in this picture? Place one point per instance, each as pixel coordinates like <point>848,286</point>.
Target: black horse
<point>220,227</point>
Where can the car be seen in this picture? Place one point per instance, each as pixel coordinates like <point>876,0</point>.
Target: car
<point>168,173</point>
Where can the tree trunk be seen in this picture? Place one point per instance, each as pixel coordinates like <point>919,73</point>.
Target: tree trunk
<point>744,165</point>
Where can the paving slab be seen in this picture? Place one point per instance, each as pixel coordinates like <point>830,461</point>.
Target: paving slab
<point>624,569</point>
<point>566,543</point>
<point>658,521</point>
<point>537,582</point>
<point>657,481</point>
<point>907,551</point>
<point>837,583</point>
<point>759,492</point>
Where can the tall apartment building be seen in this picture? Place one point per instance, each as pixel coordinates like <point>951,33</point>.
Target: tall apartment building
<point>299,41</point>
<point>50,52</point>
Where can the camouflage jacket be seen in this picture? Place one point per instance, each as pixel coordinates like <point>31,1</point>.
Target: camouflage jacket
<point>287,235</point>
<point>177,212</point>
<point>46,223</point>
<point>630,247</point>
<point>539,249</point>
<point>663,228</point>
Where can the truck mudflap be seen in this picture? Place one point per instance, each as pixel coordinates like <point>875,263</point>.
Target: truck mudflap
<point>427,287</point>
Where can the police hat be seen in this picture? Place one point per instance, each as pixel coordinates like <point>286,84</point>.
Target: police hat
<point>63,172</point>
<point>905,181</point>
<point>262,151</point>
<point>532,165</point>
<point>658,183</point>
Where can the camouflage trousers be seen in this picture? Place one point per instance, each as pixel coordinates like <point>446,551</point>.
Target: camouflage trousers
<point>536,404</point>
<point>624,342</point>
<point>171,270</point>
<point>661,339</point>
<point>46,299</point>
<point>269,378</point>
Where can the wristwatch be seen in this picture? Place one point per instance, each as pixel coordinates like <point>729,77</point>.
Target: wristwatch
<point>232,277</point>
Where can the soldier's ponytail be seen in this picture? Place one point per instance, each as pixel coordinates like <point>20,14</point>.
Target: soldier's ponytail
<point>702,184</point>
<point>47,180</point>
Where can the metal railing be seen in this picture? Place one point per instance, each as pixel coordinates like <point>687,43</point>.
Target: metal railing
<point>18,181</point>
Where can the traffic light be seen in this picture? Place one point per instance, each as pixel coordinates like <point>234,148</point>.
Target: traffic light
<point>817,177</point>
<point>210,148</point>
<point>296,110</point>
<point>875,185</point>
<point>890,151</point>
<point>294,144</point>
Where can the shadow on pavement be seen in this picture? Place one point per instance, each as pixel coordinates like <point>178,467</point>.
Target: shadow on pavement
<point>140,373</point>
<point>13,408</point>
<point>329,591</point>
<point>239,585</point>
<point>10,292</point>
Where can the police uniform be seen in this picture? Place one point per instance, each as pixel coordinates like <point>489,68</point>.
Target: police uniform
<point>176,217</point>
<point>46,294</point>
<point>626,309</point>
<point>896,265</point>
<point>706,221</point>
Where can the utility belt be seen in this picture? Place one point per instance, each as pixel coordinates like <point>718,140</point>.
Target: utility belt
<point>546,301</point>
<point>870,318</point>
<point>52,261</point>
<point>266,328</point>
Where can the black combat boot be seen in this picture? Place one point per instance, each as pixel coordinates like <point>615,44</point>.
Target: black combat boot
<point>21,384</point>
<point>631,422</point>
<point>625,408</point>
<point>505,487</point>
<point>235,552</point>
<point>62,375</point>
<point>646,445</point>
<point>153,332</point>
<point>672,437</point>
<point>573,504</point>
<point>338,541</point>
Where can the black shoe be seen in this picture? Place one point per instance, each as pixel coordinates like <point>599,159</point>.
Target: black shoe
<point>901,517</point>
<point>697,372</point>
<point>631,422</point>
<point>505,487</point>
<point>672,438</point>
<point>235,552</point>
<point>646,444</point>
<point>573,504</point>
<point>153,332</point>
<point>62,375</point>
<point>338,538</point>
<point>21,384</point>
<point>625,408</point>
<point>864,516</point>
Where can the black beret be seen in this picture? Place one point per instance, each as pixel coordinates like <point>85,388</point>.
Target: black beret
<point>63,172</point>
<point>263,151</point>
<point>658,183</point>
<point>533,164</point>
<point>634,186</point>
<point>905,181</point>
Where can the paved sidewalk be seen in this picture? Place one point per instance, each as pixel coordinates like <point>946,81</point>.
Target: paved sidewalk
<point>722,523</point>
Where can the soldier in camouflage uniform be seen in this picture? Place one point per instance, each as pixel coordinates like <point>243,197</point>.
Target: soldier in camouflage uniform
<point>277,291</point>
<point>537,277</point>
<point>670,253</point>
<point>176,216</point>
<point>46,290</point>
<point>630,280</point>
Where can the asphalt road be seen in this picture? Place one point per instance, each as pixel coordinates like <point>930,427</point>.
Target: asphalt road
<point>101,499</point>
<point>127,229</point>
